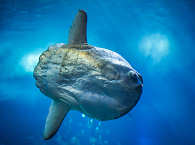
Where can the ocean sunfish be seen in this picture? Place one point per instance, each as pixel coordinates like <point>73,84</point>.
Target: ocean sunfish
<point>77,76</point>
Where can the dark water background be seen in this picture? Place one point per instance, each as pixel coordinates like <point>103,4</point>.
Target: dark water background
<point>156,36</point>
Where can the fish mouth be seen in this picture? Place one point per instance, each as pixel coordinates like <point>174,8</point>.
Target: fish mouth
<point>140,78</point>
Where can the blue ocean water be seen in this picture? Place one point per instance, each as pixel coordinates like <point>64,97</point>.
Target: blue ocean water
<point>156,36</point>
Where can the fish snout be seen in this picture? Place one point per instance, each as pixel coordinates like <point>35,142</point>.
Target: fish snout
<point>135,77</point>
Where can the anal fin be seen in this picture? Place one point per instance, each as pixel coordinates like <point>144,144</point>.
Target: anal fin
<point>57,112</point>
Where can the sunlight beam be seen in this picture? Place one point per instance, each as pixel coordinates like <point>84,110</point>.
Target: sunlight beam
<point>155,46</point>
<point>29,61</point>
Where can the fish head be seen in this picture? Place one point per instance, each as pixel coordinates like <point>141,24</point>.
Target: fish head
<point>112,89</point>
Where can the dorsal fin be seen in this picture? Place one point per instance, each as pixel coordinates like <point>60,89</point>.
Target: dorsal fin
<point>77,32</point>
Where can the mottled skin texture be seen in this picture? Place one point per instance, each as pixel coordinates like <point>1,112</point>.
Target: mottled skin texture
<point>95,81</point>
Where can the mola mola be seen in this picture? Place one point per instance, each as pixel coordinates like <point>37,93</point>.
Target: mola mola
<point>77,76</point>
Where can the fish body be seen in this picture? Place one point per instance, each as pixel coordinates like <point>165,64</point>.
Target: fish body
<point>77,76</point>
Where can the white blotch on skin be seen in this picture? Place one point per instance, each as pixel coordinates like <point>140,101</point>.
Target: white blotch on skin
<point>83,115</point>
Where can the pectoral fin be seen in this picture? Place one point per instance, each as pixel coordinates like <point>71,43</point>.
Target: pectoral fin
<point>57,112</point>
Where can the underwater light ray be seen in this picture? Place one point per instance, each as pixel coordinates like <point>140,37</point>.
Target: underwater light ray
<point>29,61</point>
<point>155,46</point>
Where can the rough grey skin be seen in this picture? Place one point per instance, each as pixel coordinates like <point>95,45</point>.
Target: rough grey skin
<point>95,81</point>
